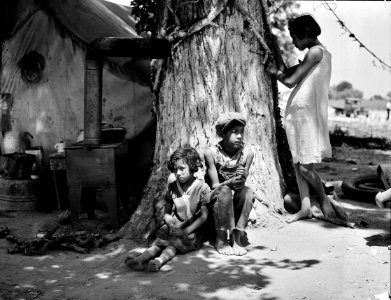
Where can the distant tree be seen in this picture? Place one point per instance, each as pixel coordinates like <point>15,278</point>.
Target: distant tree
<point>344,85</point>
<point>378,97</point>
<point>344,90</point>
<point>350,93</point>
<point>389,95</point>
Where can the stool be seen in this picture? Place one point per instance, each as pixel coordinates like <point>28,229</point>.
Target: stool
<point>103,167</point>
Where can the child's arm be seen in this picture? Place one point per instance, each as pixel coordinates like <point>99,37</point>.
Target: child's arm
<point>193,226</point>
<point>280,64</point>
<point>198,222</point>
<point>313,56</point>
<point>168,219</point>
<point>211,172</point>
<point>243,172</point>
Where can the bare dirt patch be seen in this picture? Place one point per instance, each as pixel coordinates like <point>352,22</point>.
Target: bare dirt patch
<point>308,259</point>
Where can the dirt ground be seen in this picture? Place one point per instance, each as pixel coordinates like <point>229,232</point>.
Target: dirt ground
<point>305,260</point>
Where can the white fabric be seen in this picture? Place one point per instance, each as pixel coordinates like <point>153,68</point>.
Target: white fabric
<point>185,196</point>
<point>306,114</point>
<point>53,108</point>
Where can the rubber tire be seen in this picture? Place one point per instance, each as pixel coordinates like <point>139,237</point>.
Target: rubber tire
<point>362,188</point>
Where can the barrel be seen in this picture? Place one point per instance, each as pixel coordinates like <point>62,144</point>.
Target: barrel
<point>16,165</point>
<point>18,194</point>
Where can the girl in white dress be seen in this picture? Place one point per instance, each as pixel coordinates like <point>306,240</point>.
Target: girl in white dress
<point>306,111</point>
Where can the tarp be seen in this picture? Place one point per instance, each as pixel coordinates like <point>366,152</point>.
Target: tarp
<point>53,108</point>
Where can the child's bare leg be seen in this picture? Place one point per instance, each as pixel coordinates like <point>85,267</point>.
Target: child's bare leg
<point>243,203</point>
<point>221,244</point>
<point>167,254</point>
<point>305,210</point>
<point>292,203</point>
<point>383,199</point>
<point>224,219</point>
<point>139,262</point>
<point>308,172</point>
<point>237,245</point>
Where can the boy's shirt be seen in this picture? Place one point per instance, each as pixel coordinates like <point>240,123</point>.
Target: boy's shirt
<point>226,165</point>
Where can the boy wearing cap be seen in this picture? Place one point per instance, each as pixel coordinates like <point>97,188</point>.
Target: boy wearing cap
<point>227,167</point>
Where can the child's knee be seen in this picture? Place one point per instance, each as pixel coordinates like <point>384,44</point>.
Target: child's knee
<point>221,194</point>
<point>247,194</point>
<point>305,171</point>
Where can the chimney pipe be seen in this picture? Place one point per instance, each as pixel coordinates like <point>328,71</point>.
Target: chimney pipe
<point>92,98</point>
<point>93,69</point>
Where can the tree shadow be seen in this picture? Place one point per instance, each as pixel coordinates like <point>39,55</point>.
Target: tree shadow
<point>210,275</point>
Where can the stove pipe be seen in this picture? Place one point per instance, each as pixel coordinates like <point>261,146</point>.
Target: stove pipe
<point>92,99</point>
<point>93,69</point>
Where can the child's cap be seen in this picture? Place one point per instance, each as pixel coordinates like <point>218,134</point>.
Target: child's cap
<point>227,118</point>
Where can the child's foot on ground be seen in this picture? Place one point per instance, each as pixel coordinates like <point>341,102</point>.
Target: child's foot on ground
<point>224,248</point>
<point>134,263</point>
<point>237,245</point>
<point>238,250</point>
<point>154,265</point>
<point>298,216</point>
<point>328,209</point>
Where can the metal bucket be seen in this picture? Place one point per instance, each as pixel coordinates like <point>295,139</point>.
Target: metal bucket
<point>18,195</point>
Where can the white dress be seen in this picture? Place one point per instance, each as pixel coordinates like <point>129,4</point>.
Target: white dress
<point>306,114</point>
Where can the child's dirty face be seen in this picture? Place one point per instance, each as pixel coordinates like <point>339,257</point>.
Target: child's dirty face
<point>182,171</point>
<point>234,136</point>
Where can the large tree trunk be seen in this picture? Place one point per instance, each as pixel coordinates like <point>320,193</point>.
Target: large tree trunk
<point>217,68</point>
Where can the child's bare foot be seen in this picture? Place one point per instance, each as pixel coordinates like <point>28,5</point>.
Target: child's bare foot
<point>134,263</point>
<point>328,209</point>
<point>239,251</point>
<point>301,214</point>
<point>237,244</point>
<point>222,246</point>
<point>154,265</point>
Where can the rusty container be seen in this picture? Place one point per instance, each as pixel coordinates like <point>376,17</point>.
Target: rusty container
<point>18,195</point>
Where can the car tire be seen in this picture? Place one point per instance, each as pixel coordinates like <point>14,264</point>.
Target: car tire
<point>362,188</point>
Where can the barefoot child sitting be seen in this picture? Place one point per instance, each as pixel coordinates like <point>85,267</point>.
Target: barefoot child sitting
<point>185,212</point>
<point>227,167</point>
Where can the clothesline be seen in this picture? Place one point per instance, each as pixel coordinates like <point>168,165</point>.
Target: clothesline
<point>353,36</point>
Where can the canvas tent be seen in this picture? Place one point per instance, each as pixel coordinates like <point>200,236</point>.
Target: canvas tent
<point>51,36</point>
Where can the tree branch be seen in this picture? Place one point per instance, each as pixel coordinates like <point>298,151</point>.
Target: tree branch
<point>163,30</point>
<point>208,20</point>
<point>255,27</point>
<point>176,19</point>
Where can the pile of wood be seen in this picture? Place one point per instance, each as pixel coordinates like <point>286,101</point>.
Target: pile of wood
<point>80,241</point>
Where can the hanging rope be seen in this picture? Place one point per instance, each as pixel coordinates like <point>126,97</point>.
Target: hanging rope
<point>353,36</point>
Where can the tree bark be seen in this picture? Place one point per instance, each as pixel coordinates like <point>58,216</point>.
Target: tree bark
<point>217,68</point>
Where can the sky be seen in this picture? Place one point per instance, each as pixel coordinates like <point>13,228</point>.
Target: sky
<point>370,21</point>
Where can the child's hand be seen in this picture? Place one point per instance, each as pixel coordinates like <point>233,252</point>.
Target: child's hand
<point>178,232</point>
<point>238,183</point>
<point>241,172</point>
<point>169,220</point>
<point>271,68</point>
